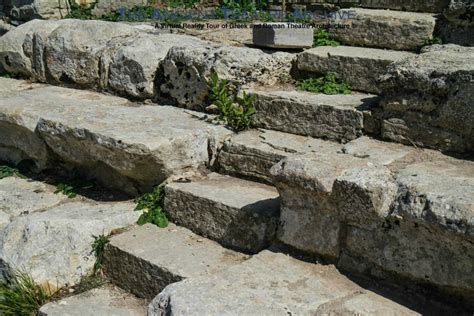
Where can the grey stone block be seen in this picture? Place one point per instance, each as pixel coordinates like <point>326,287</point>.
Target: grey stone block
<point>282,35</point>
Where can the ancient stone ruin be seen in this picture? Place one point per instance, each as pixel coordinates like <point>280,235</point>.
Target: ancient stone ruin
<point>237,166</point>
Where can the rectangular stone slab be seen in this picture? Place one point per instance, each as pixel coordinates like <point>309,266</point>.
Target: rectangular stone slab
<point>272,283</point>
<point>384,28</point>
<point>282,35</point>
<point>236,213</point>
<point>106,300</point>
<point>251,154</point>
<point>335,117</point>
<point>360,67</point>
<point>130,148</point>
<point>146,259</point>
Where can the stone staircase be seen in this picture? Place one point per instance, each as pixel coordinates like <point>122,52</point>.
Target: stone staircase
<point>285,218</point>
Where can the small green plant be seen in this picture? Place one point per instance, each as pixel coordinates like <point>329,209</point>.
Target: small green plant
<point>151,205</point>
<point>327,84</point>
<point>66,189</point>
<point>7,171</point>
<point>98,249</point>
<point>323,38</point>
<point>22,296</point>
<point>80,12</point>
<point>236,112</point>
<point>429,42</point>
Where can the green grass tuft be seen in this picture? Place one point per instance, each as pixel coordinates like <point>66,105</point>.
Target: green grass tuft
<point>327,84</point>
<point>66,189</point>
<point>323,38</point>
<point>151,205</point>
<point>429,42</point>
<point>7,171</point>
<point>21,296</point>
<point>98,249</point>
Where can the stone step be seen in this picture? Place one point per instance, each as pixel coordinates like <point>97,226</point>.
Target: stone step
<point>358,66</point>
<point>273,283</point>
<point>427,100</point>
<point>236,213</point>
<point>333,117</point>
<point>106,300</point>
<point>251,154</point>
<point>383,28</point>
<point>146,259</point>
<point>49,235</point>
<point>436,6</point>
<point>384,209</point>
<point>130,148</point>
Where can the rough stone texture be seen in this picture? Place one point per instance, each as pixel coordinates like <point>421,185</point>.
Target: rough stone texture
<point>20,139</point>
<point>127,148</point>
<point>334,117</point>
<point>146,259</point>
<point>21,197</point>
<point>360,67</point>
<point>188,69</point>
<point>384,209</point>
<point>26,10</point>
<point>106,300</point>
<point>435,6</point>
<point>251,154</point>
<point>456,26</point>
<point>308,215</point>
<point>55,245</point>
<point>5,27</point>
<point>428,99</point>
<point>106,6</point>
<point>236,213</point>
<point>270,284</point>
<point>134,65</point>
<point>73,50</point>
<point>21,50</point>
<point>385,29</point>
<point>282,35</point>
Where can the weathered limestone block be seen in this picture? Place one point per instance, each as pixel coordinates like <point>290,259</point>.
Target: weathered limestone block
<point>334,117</point>
<point>251,154</point>
<point>282,35</point>
<point>209,207</point>
<point>134,64</point>
<point>385,29</point>
<point>21,197</point>
<point>187,70</point>
<point>73,51</point>
<point>26,10</point>
<point>106,300</point>
<point>272,283</point>
<point>146,259</point>
<point>20,139</point>
<point>55,245</point>
<point>21,50</point>
<point>456,25</point>
<point>309,215</point>
<point>436,6</point>
<point>128,148</point>
<point>427,99</point>
<point>383,209</point>
<point>430,223</point>
<point>358,66</point>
